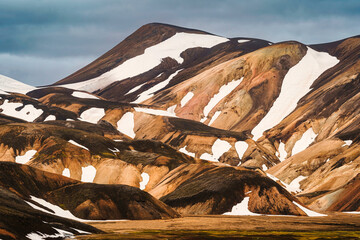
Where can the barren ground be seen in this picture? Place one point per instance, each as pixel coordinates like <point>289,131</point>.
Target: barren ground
<point>335,226</point>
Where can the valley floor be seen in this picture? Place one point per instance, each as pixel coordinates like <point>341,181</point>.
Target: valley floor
<point>335,226</point>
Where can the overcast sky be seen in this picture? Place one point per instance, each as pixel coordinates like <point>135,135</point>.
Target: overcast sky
<point>43,41</point>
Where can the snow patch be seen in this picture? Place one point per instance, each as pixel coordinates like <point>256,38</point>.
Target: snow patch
<point>50,118</point>
<point>282,152</point>
<point>347,143</point>
<point>88,174</point>
<point>171,110</point>
<point>183,150</point>
<point>26,157</point>
<point>151,91</point>
<point>42,236</point>
<point>218,149</point>
<point>293,187</point>
<point>83,95</point>
<point>92,115</point>
<point>264,167</point>
<point>77,144</point>
<point>296,84</point>
<point>58,211</point>
<point>307,138</point>
<point>66,172</point>
<point>28,113</point>
<point>243,40</point>
<point>115,150</point>
<point>309,212</point>
<point>135,89</point>
<point>145,179</point>
<point>126,124</point>
<point>295,184</point>
<point>242,209</point>
<point>352,212</point>
<point>2,92</point>
<point>11,85</point>
<point>152,57</point>
<point>241,147</point>
<point>214,117</point>
<point>223,92</point>
<point>157,112</point>
<point>186,99</point>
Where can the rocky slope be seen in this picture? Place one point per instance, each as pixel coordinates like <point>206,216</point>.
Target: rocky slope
<point>36,197</point>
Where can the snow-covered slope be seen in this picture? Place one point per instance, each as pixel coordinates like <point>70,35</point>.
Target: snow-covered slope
<point>151,57</point>
<point>296,84</point>
<point>11,85</point>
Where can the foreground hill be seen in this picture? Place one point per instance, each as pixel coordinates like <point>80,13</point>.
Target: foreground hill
<point>95,153</point>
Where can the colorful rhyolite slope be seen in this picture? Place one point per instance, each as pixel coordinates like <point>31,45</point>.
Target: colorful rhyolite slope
<point>205,124</point>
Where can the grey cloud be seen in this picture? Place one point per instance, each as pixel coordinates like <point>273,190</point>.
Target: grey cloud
<point>39,71</point>
<point>85,29</point>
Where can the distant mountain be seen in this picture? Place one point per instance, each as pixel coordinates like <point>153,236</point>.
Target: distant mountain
<point>205,124</point>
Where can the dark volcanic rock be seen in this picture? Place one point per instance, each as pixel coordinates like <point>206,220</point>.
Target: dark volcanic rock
<point>84,200</point>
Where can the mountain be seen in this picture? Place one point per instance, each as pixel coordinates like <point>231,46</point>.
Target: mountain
<point>202,124</point>
<point>155,52</point>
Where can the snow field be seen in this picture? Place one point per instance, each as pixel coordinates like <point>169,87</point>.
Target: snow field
<point>307,138</point>
<point>152,57</point>
<point>150,92</point>
<point>183,150</point>
<point>243,40</point>
<point>66,172</point>
<point>11,85</point>
<point>50,118</point>
<point>2,92</point>
<point>42,236</point>
<point>241,147</point>
<point>218,149</point>
<point>155,112</point>
<point>294,186</point>
<point>92,115</point>
<point>28,113</point>
<point>145,180</point>
<point>26,157</point>
<point>186,99</point>
<point>88,174</point>
<point>296,84</point>
<point>171,110</point>
<point>83,95</point>
<point>281,152</point>
<point>126,124</point>
<point>214,117</point>
<point>135,88</point>
<point>242,209</point>
<point>77,144</point>
<point>309,212</point>
<point>264,167</point>
<point>223,92</point>
<point>347,143</point>
<point>58,211</point>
